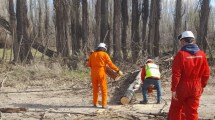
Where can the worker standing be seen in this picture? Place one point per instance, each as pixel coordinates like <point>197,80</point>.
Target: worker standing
<point>150,75</point>
<point>98,61</point>
<point>190,73</point>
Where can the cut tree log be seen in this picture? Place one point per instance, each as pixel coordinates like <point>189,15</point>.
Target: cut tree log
<point>135,85</point>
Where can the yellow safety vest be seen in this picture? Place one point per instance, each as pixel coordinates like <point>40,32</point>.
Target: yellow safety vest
<point>152,70</point>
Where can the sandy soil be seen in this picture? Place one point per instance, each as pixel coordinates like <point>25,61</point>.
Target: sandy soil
<point>74,103</point>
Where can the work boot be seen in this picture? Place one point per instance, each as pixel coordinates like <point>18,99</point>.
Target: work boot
<point>158,102</point>
<point>143,102</point>
<point>105,107</point>
<point>96,105</point>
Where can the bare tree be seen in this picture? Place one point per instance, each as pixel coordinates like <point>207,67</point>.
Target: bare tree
<point>145,15</point>
<point>24,45</point>
<point>75,27</point>
<point>84,22</point>
<point>203,24</point>
<point>178,25</point>
<point>135,42</point>
<point>154,36</point>
<point>104,26</point>
<point>13,29</point>
<point>40,24</point>
<point>98,21</point>
<point>124,11</point>
<point>157,27</point>
<point>62,28</point>
<point>117,31</point>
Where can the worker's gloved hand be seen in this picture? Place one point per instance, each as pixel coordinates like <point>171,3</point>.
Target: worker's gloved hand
<point>120,73</point>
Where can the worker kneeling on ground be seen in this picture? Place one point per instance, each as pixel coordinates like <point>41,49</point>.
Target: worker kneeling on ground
<point>98,61</point>
<point>150,76</point>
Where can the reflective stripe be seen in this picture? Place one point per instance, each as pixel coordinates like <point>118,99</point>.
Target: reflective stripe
<point>190,57</point>
<point>152,70</point>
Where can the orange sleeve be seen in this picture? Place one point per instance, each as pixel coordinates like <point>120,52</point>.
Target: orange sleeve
<point>110,63</point>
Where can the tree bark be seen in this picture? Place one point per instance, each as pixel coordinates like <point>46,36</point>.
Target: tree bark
<point>104,22</point>
<point>154,36</point>
<point>98,21</point>
<point>62,38</point>
<point>117,31</point>
<point>157,28</point>
<point>203,24</point>
<point>178,25</point>
<point>129,93</point>
<point>84,23</point>
<point>13,30</point>
<point>124,12</point>
<point>75,27</point>
<point>24,46</point>
<point>135,43</point>
<point>145,15</point>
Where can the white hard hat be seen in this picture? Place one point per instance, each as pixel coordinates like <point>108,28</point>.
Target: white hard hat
<point>185,34</point>
<point>103,45</point>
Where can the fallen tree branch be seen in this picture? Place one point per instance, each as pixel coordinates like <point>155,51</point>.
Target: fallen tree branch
<point>44,50</point>
<point>13,110</point>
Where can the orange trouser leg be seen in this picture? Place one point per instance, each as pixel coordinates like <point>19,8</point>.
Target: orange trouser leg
<point>191,108</point>
<point>104,91</point>
<point>175,110</point>
<point>95,86</point>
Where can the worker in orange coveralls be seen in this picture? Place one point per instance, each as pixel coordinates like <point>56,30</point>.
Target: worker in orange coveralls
<point>98,61</point>
<point>190,73</point>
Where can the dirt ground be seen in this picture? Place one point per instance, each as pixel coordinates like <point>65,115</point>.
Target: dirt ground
<point>73,101</point>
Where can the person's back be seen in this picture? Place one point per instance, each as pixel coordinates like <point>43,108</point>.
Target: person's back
<point>97,62</point>
<point>190,65</point>
<point>190,73</point>
<point>193,65</point>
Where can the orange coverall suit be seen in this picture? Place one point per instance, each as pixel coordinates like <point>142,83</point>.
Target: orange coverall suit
<point>98,61</point>
<point>190,73</point>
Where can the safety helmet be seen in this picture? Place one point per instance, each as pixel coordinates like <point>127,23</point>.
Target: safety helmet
<point>149,60</point>
<point>185,34</point>
<point>102,45</point>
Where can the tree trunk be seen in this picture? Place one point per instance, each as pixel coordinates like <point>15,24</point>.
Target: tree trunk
<point>75,26</point>
<point>129,93</point>
<point>40,24</point>
<point>203,25</point>
<point>84,23</point>
<point>153,37</point>
<point>145,15</point>
<point>178,25</point>
<point>24,46</point>
<point>124,28</point>
<point>117,31</point>
<point>135,43</point>
<point>98,21</point>
<point>13,30</point>
<point>157,31</point>
<point>62,23</point>
<point>104,22</point>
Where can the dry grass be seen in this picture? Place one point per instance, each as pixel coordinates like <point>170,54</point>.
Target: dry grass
<point>40,74</point>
